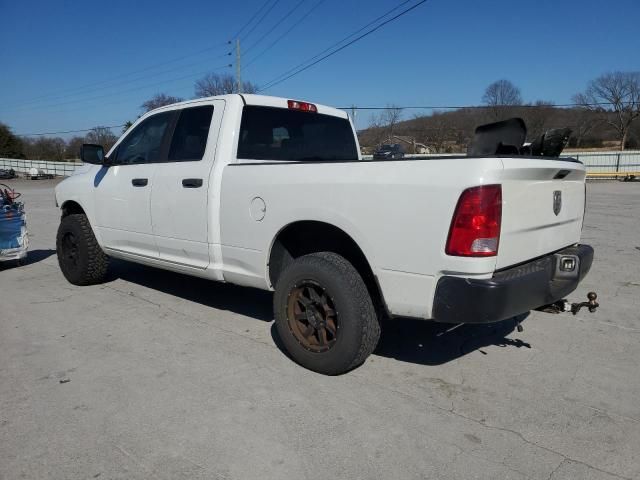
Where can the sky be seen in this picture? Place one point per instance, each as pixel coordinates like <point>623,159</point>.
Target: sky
<point>67,65</point>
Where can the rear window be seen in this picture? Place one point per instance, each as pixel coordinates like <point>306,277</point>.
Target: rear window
<point>268,133</point>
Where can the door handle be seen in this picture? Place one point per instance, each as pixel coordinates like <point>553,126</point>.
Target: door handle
<point>139,182</point>
<point>191,182</point>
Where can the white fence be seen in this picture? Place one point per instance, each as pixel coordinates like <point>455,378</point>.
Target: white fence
<point>602,162</point>
<point>608,162</point>
<point>60,169</point>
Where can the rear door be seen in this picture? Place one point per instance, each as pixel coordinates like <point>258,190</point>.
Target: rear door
<point>123,189</point>
<point>180,201</point>
<point>543,208</point>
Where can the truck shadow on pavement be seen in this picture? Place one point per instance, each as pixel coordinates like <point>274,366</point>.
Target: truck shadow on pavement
<point>405,339</point>
<point>430,343</point>
<point>242,300</point>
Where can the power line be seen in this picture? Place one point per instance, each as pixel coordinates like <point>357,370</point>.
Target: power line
<point>404,107</point>
<point>284,76</point>
<point>276,25</point>
<point>66,131</point>
<point>121,100</point>
<point>122,82</point>
<point>123,75</point>
<point>343,39</point>
<point>260,20</point>
<point>63,93</point>
<point>295,24</point>
<point>131,89</point>
<point>369,32</point>
<point>462,107</point>
<point>57,94</point>
<point>237,35</point>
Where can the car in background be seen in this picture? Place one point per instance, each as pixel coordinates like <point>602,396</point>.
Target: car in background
<point>7,174</point>
<point>389,152</point>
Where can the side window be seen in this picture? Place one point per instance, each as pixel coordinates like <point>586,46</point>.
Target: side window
<point>144,143</point>
<point>190,136</point>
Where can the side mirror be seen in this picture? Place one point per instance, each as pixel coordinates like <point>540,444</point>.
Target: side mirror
<point>90,153</point>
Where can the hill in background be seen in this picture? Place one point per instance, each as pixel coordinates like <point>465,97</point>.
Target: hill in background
<point>452,131</point>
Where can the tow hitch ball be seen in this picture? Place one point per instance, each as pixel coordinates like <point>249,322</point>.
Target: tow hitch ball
<point>564,306</point>
<point>592,305</point>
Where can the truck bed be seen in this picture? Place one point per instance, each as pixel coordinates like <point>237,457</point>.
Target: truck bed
<point>399,213</point>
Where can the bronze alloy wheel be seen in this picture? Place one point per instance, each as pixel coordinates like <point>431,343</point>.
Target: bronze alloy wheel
<point>312,317</point>
<point>324,313</point>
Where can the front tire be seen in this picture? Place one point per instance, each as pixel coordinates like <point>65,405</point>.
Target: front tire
<point>81,259</point>
<point>324,314</point>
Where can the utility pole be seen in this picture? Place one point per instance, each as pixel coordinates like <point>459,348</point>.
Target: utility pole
<point>353,115</point>
<point>238,77</point>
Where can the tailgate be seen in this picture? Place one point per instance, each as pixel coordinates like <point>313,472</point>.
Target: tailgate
<point>542,210</point>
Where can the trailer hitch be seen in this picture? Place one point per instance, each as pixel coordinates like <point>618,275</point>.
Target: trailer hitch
<point>564,306</point>
<point>592,305</point>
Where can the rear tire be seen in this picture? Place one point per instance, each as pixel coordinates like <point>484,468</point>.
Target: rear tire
<point>81,259</point>
<point>325,315</point>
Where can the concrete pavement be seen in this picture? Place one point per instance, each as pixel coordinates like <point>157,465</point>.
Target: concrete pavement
<point>170,377</point>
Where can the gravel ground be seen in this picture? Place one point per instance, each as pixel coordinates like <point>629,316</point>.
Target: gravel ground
<point>159,375</point>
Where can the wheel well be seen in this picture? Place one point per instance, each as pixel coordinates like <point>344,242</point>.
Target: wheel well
<point>70,207</point>
<point>305,237</point>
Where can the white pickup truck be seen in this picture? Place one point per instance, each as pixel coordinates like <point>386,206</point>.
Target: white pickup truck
<point>273,193</point>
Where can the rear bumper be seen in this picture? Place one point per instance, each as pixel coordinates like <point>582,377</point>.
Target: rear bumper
<point>509,292</point>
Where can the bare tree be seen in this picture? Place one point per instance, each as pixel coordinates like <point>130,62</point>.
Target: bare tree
<point>11,146</point>
<point>56,146</point>
<point>72,150</point>
<point>45,148</point>
<point>382,126</point>
<point>215,84</point>
<point>127,125</point>
<point>375,133</point>
<point>584,118</point>
<point>101,136</point>
<point>389,118</point>
<point>633,140</point>
<point>621,92</point>
<point>537,117</point>
<point>439,131</point>
<point>500,94</point>
<point>159,100</point>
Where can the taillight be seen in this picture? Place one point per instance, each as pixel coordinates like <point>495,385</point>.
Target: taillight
<point>304,106</point>
<point>475,227</point>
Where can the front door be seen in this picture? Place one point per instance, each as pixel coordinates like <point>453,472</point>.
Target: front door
<point>123,188</point>
<point>180,201</point>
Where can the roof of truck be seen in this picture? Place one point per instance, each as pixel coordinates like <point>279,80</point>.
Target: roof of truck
<point>281,102</point>
<point>259,100</point>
